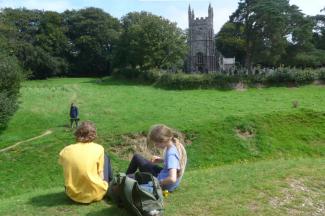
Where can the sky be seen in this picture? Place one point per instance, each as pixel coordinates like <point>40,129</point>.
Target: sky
<point>174,10</point>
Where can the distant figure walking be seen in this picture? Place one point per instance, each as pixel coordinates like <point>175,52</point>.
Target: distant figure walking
<point>74,113</point>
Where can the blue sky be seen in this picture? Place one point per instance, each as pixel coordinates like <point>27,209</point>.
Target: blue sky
<point>174,10</point>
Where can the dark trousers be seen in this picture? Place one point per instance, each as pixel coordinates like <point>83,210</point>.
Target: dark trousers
<point>108,173</point>
<point>74,120</point>
<point>139,162</point>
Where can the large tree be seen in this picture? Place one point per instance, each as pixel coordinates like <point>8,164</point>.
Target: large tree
<point>93,34</point>
<point>38,40</point>
<point>265,29</point>
<point>150,41</point>
<point>319,30</point>
<point>301,50</point>
<point>230,41</point>
<point>10,78</point>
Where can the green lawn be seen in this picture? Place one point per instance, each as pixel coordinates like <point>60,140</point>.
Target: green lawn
<point>285,146</point>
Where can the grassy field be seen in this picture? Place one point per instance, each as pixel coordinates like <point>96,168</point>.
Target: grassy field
<point>251,153</point>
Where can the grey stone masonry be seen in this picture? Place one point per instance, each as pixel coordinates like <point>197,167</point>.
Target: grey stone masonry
<point>202,53</point>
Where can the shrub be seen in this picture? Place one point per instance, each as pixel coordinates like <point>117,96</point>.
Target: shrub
<point>304,76</point>
<point>10,78</point>
<point>321,74</point>
<point>150,76</point>
<point>197,81</point>
<point>279,76</point>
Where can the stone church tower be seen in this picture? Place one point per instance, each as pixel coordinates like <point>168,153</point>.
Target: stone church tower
<point>202,53</point>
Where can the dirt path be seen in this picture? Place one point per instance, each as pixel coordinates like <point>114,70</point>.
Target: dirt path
<point>48,132</point>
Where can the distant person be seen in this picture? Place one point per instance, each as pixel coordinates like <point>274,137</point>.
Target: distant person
<point>87,170</point>
<point>174,160</point>
<point>74,113</point>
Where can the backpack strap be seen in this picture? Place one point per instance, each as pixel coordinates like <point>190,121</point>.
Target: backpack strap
<point>128,188</point>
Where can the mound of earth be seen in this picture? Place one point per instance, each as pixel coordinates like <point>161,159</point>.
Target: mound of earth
<point>137,143</point>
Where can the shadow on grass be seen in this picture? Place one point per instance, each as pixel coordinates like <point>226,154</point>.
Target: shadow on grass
<point>112,81</point>
<point>60,199</point>
<point>50,200</point>
<point>111,210</point>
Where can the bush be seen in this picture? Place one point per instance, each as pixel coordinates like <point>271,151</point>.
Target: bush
<point>305,76</point>
<point>150,76</point>
<point>197,81</point>
<point>10,78</point>
<point>321,74</point>
<point>279,76</point>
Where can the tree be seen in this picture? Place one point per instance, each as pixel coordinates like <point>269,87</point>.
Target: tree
<point>301,50</point>
<point>10,78</point>
<point>319,30</point>
<point>230,41</point>
<point>37,38</point>
<point>150,41</point>
<point>92,34</point>
<point>265,33</point>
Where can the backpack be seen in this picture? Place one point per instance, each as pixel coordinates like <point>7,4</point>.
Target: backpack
<point>142,196</point>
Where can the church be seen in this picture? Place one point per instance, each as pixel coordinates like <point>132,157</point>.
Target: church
<point>203,56</point>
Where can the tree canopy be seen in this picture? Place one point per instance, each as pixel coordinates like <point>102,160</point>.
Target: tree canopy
<point>271,33</point>
<point>91,42</point>
<point>150,41</point>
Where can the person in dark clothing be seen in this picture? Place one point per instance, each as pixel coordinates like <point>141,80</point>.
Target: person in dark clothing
<point>74,113</point>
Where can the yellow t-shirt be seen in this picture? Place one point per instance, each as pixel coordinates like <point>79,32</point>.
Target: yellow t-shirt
<point>83,164</point>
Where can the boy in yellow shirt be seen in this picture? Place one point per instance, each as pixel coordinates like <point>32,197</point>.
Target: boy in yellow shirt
<point>86,168</point>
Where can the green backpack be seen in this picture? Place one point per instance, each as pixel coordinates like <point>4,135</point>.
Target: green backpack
<point>135,194</point>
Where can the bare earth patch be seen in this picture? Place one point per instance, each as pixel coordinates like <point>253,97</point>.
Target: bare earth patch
<point>319,82</point>
<point>137,143</point>
<point>298,199</point>
<point>48,132</point>
<point>244,134</point>
<point>241,87</point>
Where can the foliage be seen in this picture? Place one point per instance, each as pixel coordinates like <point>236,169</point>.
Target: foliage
<point>93,35</point>
<point>149,41</point>
<point>264,25</point>
<point>319,31</point>
<point>71,43</point>
<point>37,39</point>
<point>230,41</point>
<point>219,80</point>
<point>271,33</point>
<point>10,78</point>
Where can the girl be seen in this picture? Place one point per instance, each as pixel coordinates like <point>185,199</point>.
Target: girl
<point>174,160</point>
<point>87,170</point>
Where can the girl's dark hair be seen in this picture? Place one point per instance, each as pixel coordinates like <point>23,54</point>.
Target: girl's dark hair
<point>86,132</point>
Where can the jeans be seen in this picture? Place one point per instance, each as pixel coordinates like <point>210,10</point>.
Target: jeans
<point>139,162</point>
<point>108,173</point>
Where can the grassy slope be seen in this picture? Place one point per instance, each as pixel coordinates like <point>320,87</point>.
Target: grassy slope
<point>281,187</point>
<point>207,115</point>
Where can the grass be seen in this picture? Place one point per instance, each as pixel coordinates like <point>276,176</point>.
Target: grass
<point>285,146</point>
<point>282,187</point>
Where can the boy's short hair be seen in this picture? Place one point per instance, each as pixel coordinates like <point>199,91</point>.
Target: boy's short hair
<point>86,132</point>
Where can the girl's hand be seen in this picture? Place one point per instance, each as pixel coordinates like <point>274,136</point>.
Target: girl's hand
<point>156,159</point>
